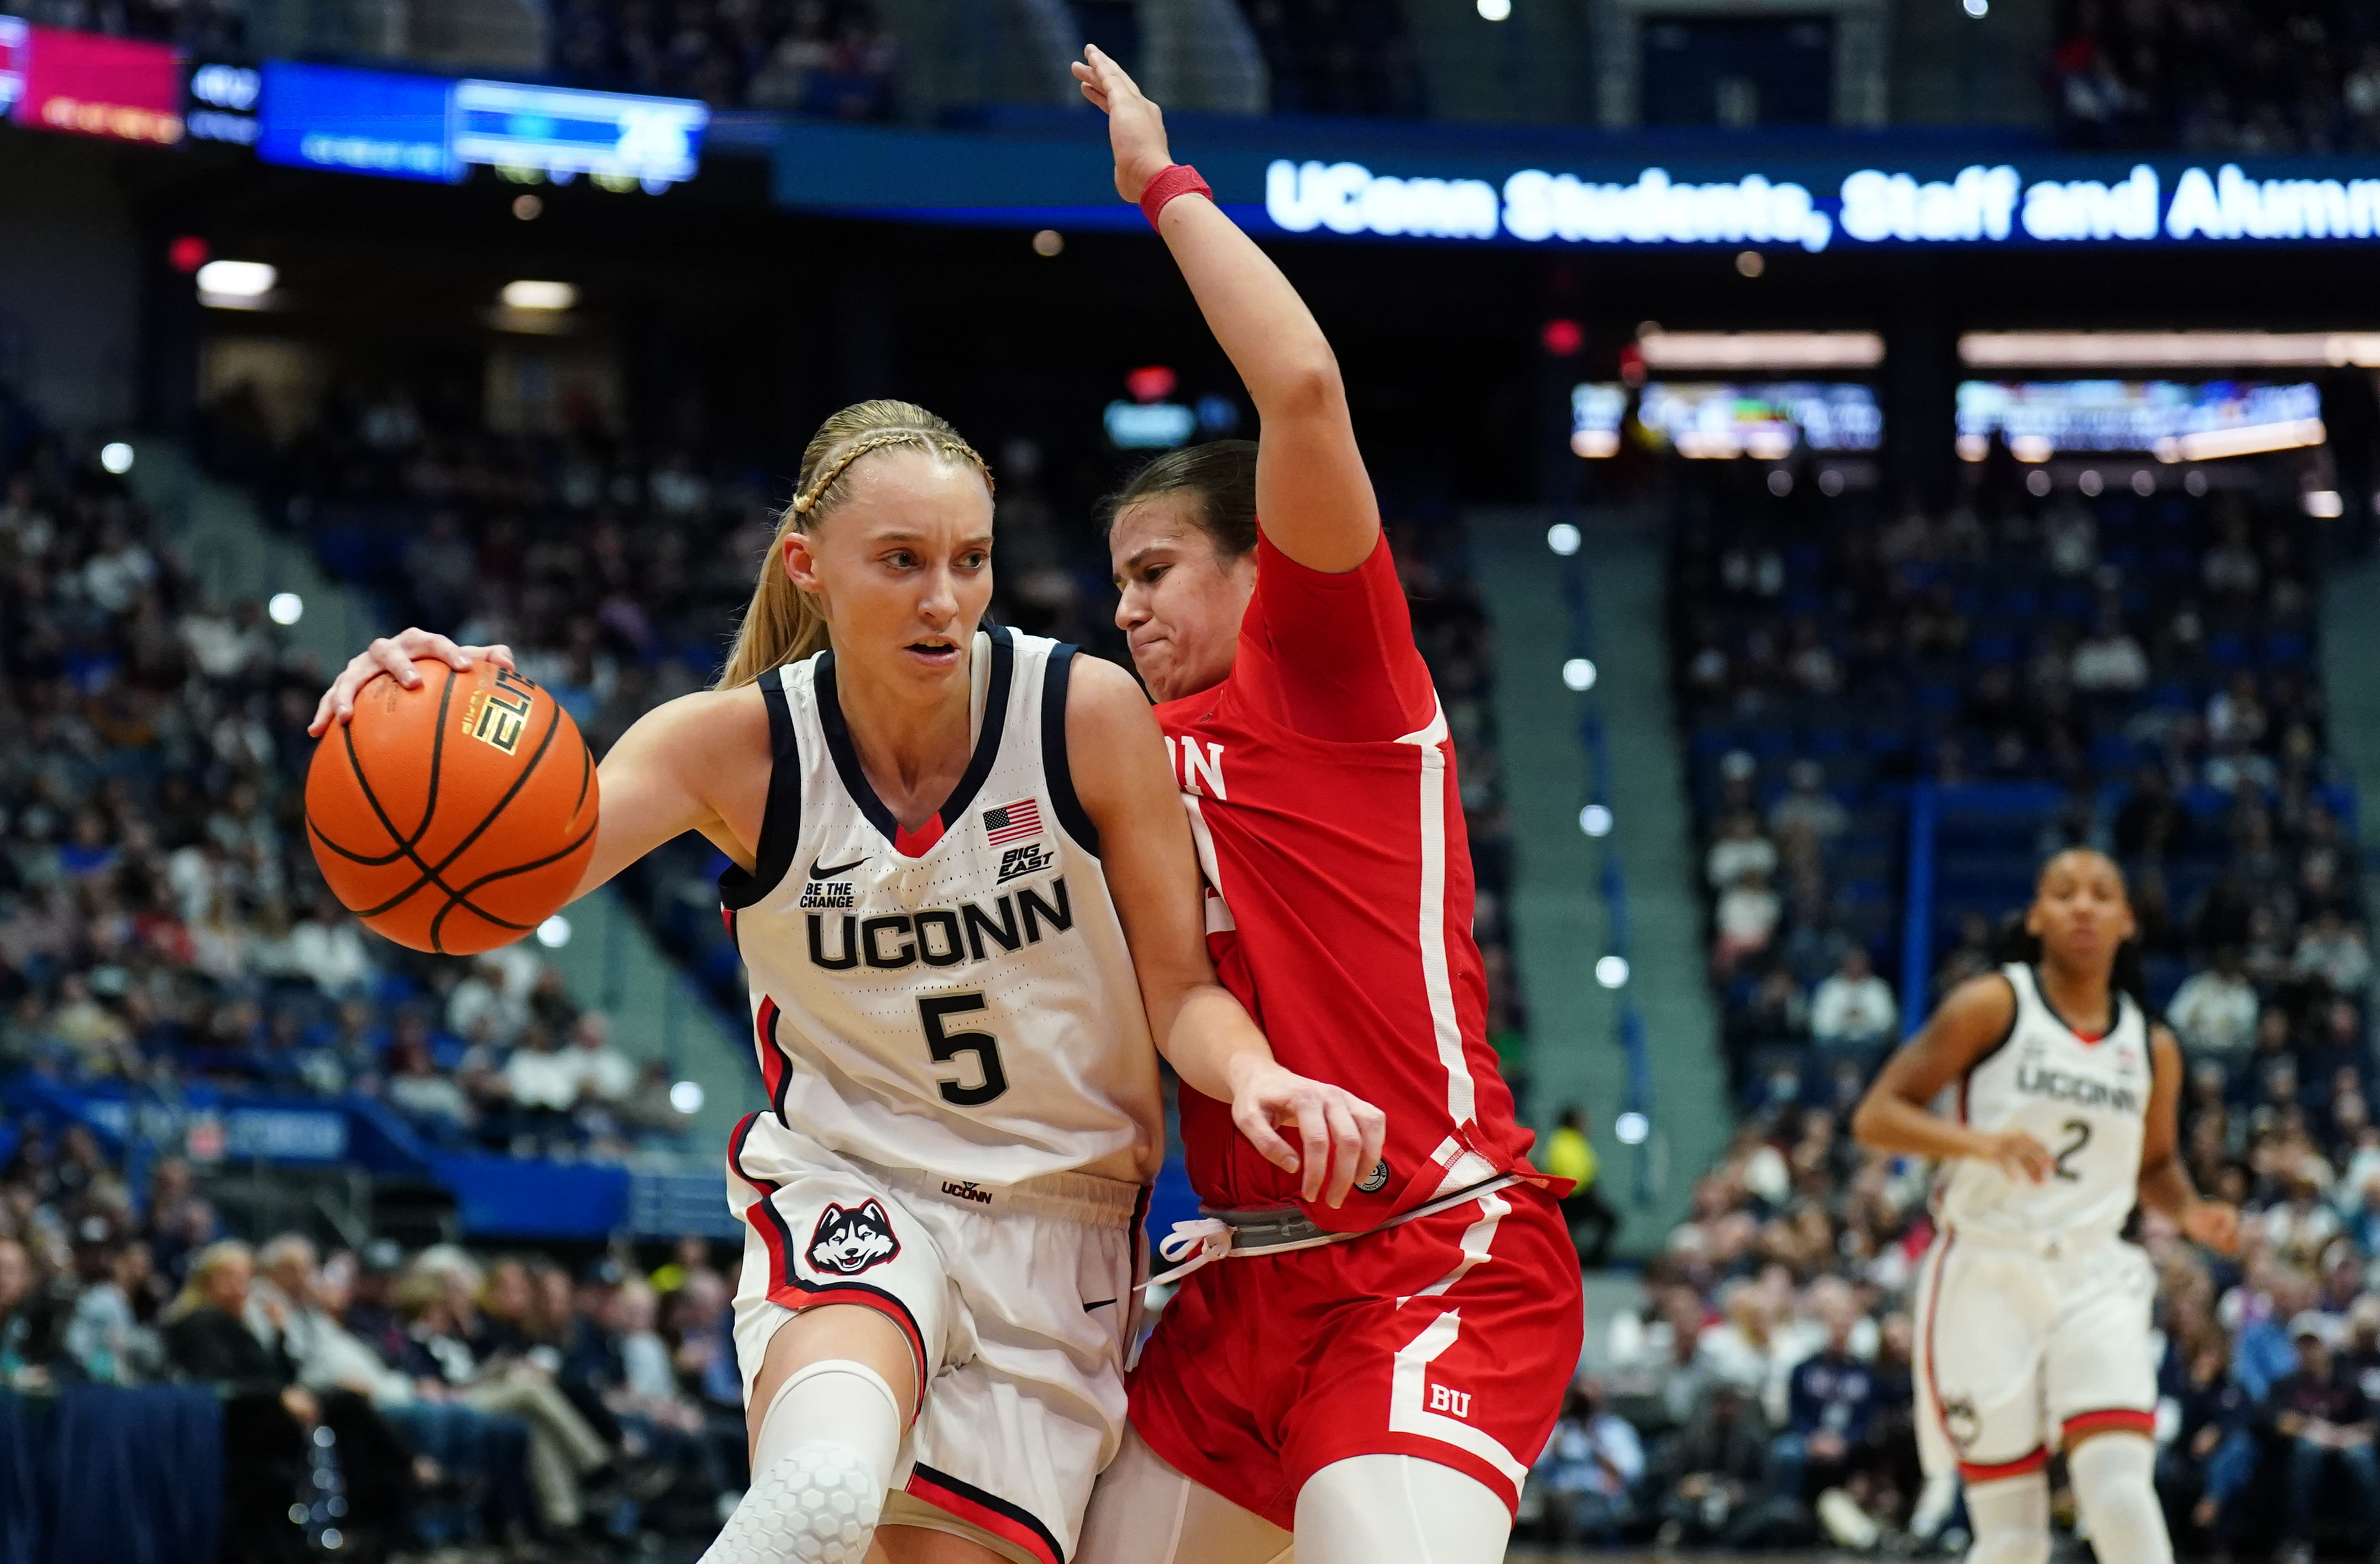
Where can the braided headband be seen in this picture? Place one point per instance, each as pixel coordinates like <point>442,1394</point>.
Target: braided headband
<point>940,445</point>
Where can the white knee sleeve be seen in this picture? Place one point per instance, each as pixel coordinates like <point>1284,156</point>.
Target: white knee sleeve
<point>1399,1510</point>
<point>819,1467</point>
<point>2114,1486</point>
<point>2012,1519</point>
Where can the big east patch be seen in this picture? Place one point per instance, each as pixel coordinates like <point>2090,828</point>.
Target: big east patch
<point>849,1240</point>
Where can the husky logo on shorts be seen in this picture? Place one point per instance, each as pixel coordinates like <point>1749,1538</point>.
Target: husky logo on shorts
<point>1959,1420</point>
<point>848,1242</point>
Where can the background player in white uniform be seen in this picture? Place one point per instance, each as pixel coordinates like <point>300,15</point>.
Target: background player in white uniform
<point>961,948</point>
<point>2032,1313</point>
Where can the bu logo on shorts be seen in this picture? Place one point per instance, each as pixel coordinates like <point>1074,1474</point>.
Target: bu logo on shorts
<point>848,1242</point>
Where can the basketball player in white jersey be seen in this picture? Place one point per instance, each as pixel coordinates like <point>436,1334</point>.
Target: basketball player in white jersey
<point>2033,1325</point>
<point>964,892</point>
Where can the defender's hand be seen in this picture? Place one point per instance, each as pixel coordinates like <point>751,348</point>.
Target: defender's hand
<point>394,656</point>
<point>1339,1134</point>
<point>2018,1155</point>
<point>1135,125</point>
<point>2213,1223</point>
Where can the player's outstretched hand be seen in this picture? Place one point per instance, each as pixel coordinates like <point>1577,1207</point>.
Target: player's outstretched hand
<point>2214,1222</point>
<point>1135,125</point>
<point>1340,1134</point>
<point>2018,1155</point>
<point>393,655</point>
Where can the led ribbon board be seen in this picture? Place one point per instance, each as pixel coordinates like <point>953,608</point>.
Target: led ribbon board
<point>223,103</point>
<point>1976,205</point>
<point>568,132</point>
<point>1555,188</point>
<point>355,122</point>
<point>91,85</point>
<point>14,40</point>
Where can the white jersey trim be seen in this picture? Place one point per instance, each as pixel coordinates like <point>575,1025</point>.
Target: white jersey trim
<point>1462,1094</point>
<point>1408,1415</point>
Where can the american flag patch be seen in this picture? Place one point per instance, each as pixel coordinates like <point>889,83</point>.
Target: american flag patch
<point>1012,822</point>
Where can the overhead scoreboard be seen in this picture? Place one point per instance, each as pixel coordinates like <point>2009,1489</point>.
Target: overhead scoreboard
<point>429,128</point>
<point>564,131</point>
<point>390,124</point>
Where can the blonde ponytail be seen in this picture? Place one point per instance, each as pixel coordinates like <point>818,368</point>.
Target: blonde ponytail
<point>786,624</point>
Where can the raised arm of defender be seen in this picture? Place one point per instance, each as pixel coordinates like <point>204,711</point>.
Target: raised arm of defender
<point>1314,499</point>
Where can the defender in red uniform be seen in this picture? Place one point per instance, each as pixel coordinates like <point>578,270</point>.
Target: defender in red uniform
<point>1379,1375</point>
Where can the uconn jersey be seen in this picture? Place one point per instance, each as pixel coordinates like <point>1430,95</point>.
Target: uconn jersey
<point>971,1011</point>
<point>2033,1315</point>
<point>963,1099</point>
<point>2084,1101</point>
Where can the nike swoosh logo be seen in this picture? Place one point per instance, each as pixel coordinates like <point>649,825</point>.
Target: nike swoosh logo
<point>1100,1304</point>
<point>819,871</point>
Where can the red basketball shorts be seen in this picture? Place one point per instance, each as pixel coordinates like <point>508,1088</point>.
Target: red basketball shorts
<point>1451,1338</point>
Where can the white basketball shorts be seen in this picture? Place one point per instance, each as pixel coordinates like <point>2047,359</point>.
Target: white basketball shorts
<point>2021,1349</point>
<point>1017,1300</point>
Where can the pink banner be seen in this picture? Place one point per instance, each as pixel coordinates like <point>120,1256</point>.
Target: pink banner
<point>96,86</point>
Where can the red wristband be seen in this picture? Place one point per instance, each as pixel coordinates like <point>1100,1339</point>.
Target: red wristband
<point>1177,178</point>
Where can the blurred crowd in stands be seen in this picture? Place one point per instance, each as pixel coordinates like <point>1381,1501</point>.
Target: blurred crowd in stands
<point>209,29</point>
<point>2135,673</point>
<point>162,924</point>
<point>2229,76</point>
<point>825,57</point>
<point>2213,75</point>
<point>1338,57</point>
<point>375,1399</point>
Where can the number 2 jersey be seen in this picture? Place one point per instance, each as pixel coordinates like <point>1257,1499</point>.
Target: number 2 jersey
<point>1319,778</point>
<point>958,1000</point>
<point>2084,1099</point>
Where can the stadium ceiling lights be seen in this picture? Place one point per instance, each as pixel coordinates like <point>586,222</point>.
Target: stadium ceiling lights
<point>531,295</point>
<point>2169,350</point>
<point>1762,349</point>
<point>236,285</point>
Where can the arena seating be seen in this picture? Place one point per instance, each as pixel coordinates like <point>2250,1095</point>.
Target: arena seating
<point>825,57</point>
<point>2223,77</point>
<point>1337,57</point>
<point>2008,675</point>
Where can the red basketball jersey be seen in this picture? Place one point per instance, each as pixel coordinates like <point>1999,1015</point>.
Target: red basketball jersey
<point>1319,778</point>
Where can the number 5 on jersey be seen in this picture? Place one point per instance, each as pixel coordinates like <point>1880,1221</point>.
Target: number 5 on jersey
<point>945,1045</point>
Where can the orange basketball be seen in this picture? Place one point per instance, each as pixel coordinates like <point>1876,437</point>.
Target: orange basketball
<point>456,817</point>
